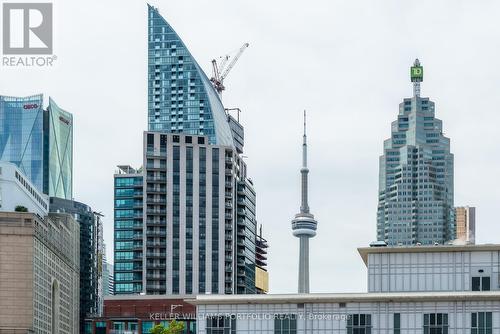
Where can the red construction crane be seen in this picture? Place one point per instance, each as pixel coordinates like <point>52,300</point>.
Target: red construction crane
<point>220,70</point>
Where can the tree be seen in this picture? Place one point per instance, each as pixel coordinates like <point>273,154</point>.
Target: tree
<point>174,327</point>
<point>21,208</point>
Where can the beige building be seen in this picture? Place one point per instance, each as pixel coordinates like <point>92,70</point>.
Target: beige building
<point>465,218</point>
<point>39,273</point>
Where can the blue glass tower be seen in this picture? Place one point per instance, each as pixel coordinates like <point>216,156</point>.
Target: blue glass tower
<point>22,135</point>
<point>416,176</point>
<point>59,169</point>
<point>181,98</point>
<point>39,142</point>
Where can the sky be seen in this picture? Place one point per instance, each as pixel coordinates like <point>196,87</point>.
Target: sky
<point>346,62</point>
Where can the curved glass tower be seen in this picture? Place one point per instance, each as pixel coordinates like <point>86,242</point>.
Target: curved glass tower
<point>181,98</point>
<point>416,176</point>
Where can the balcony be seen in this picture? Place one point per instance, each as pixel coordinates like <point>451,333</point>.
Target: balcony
<point>156,212</point>
<point>150,265</point>
<point>156,276</point>
<point>156,233</point>
<point>156,254</point>
<point>156,244</point>
<point>159,190</point>
<point>157,178</point>
<point>156,223</point>
<point>155,153</point>
<point>157,201</point>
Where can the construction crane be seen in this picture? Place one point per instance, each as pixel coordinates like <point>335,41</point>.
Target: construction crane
<point>221,70</point>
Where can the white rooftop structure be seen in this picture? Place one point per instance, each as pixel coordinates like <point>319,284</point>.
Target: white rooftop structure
<point>412,290</point>
<point>17,190</point>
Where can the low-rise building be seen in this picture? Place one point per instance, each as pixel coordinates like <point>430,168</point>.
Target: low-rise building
<point>134,314</point>
<point>426,289</point>
<point>39,273</point>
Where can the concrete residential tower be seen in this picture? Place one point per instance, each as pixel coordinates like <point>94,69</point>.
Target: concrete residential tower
<point>304,225</point>
<point>416,175</point>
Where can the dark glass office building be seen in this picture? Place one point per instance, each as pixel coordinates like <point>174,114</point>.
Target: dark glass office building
<point>91,254</point>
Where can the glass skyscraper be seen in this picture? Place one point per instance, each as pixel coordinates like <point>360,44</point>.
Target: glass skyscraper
<point>60,152</point>
<point>185,222</point>
<point>39,142</point>
<point>416,176</point>
<point>22,135</point>
<point>181,98</point>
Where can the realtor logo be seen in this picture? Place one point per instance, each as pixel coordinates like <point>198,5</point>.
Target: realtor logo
<point>27,29</point>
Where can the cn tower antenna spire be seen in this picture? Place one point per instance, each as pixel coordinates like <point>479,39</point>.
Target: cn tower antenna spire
<point>304,225</point>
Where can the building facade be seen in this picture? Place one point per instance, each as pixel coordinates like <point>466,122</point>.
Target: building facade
<point>197,232</point>
<point>416,176</point>
<point>39,141</point>
<point>16,190</point>
<point>91,253</point>
<point>44,285</point>
<point>59,152</point>
<point>22,135</point>
<point>108,282</point>
<point>138,314</point>
<point>428,290</point>
<point>185,222</point>
<point>181,98</point>
<point>128,227</point>
<point>465,219</point>
<point>261,274</point>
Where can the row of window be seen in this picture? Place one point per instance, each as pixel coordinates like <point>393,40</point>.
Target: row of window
<point>433,323</point>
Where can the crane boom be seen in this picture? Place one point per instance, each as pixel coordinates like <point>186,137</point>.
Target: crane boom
<point>235,59</point>
<point>220,71</point>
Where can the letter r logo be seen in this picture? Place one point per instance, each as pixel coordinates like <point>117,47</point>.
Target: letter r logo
<point>27,28</point>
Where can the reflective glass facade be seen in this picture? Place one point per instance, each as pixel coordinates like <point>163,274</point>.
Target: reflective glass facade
<point>416,179</point>
<point>22,135</point>
<point>181,98</point>
<point>59,182</point>
<point>39,142</point>
<point>128,232</point>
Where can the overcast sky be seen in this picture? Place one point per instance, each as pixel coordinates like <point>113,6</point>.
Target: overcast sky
<point>346,62</point>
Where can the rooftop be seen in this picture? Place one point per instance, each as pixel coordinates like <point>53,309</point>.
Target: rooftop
<point>344,297</point>
<point>364,251</point>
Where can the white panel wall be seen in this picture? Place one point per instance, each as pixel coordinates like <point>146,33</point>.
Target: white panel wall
<point>430,271</point>
<point>331,318</point>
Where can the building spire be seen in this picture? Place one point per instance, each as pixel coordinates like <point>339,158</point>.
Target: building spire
<point>304,207</point>
<point>304,225</point>
<point>416,76</point>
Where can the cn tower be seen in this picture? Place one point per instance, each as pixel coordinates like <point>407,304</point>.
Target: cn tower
<point>304,225</point>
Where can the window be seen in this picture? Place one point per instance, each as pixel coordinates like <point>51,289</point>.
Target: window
<point>221,325</point>
<point>285,324</point>
<point>481,323</point>
<point>359,324</point>
<point>436,323</point>
<point>397,323</point>
<point>147,325</point>
<point>481,283</point>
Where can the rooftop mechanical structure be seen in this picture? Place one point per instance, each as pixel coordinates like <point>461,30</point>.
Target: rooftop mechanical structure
<point>304,225</point>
